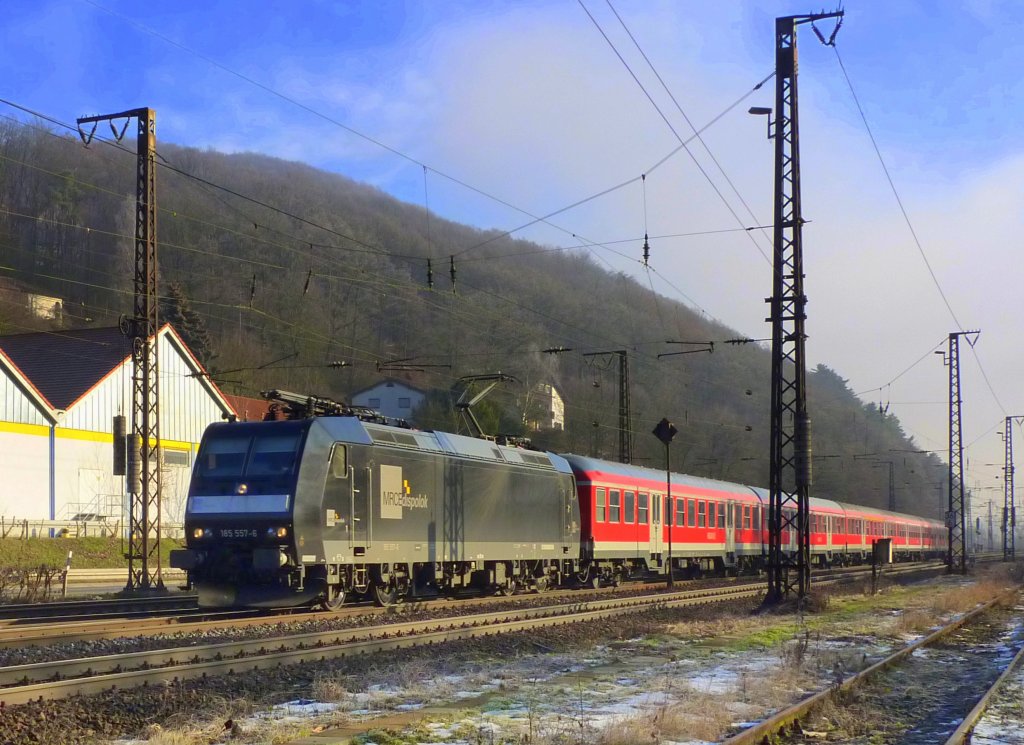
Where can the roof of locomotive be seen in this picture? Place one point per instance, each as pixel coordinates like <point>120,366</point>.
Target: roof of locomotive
<point>352,429</point>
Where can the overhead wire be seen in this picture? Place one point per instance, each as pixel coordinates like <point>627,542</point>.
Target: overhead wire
<point>534,219</point>
<point>206,182</point>
<point>910,226</point>
<point>230,306</point>
<point>689,123</point>
<point>683,144</point>
<point>905,370</point>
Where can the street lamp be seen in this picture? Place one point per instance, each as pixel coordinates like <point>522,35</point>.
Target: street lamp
<point>665,431</point>
<point>765,111</point>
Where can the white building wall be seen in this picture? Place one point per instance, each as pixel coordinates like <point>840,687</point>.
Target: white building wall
<point>24,452</point>
<point>557,409</point>
<point>186,405</point>
<point>388,398</point>
<point>15,404</point>
<point>83,443</point>
<point>24,471</point>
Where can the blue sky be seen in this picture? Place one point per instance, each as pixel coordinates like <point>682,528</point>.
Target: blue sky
<point>526,101</point>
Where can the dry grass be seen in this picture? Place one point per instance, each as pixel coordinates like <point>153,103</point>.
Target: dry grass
<point>963,599</point>
<point>700,716</point>
<point>728,625</point>
<point>914,621</point>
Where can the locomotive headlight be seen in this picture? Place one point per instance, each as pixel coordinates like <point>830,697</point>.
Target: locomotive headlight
<point>197,533</point>
<point>277,532</point>
<point>242,489</point>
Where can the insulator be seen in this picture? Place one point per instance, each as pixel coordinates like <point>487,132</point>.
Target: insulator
<point>647,250</point>
<point>452,271</point>
<point>134,463</point>
<point>120,445</point>
<point>430,275</point>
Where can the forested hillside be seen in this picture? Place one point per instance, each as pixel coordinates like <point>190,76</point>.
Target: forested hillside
<point>337,273</point>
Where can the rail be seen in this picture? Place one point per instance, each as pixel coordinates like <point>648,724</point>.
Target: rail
<point>182,663</point>
<point>765,731</point>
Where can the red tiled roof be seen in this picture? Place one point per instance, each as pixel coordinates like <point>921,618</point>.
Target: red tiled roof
<point>248,409</point>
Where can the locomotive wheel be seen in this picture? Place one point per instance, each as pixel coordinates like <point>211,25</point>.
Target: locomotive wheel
<point>541,584</point>
<point>333,600</point>
<point>508,587</point>
<point>589,578</point>
<point>385,594</point>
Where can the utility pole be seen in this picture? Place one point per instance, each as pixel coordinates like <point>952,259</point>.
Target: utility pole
<point>144,479</point>
<point>956,516</point>
<point>790,452</point>
<point>625,420</point>
<point>892,482</point>
<point>1009,521</point>
<point>991,537</point>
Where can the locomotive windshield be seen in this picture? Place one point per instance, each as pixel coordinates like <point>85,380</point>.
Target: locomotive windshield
<point>235,457</point>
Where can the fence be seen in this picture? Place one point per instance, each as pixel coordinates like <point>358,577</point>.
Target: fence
<point>11,527</point>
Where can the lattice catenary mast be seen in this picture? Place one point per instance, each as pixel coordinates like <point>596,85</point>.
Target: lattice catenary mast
<point>789,566</point>
<point>1009,521</point>
<point>956,515</point>
<point>145,492</point>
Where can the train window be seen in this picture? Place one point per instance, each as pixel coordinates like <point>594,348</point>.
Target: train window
<point>701,513</point>
<point>614,506</point>
<point>746,517</point>
<point>273,456</point>
<point>629,511</point>
<point>656,506</point>
<point>642,508</point>
<point>339,461</point>
<point>721,515</point>
<point>223,456</point>
<point>757,517</point>
<point>681,513</point>
<point>691,513</point>
<point>602,513</point>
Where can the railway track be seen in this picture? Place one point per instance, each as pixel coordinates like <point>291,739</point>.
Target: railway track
<point>91,675</point>
<point>965,731</point>
<point>83,626</point>
<point>947,665</point>
<point>71,610</point>
<point>58,679</point>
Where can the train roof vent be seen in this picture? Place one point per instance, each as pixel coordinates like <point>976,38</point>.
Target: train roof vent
<point>392,438</point>
<point>404,439</point>
<point>537,460</point>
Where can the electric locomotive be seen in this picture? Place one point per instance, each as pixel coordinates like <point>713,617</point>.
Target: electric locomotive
<point>334,501</point>
<point>308,511</point>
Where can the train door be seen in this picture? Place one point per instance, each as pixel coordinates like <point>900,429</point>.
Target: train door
<point>360,497</point>
<point>570,530</point>
<point>337,504</point>
<point>730,530</point>
<point>657,533</point>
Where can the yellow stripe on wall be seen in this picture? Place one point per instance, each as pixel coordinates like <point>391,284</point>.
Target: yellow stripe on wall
<point>25,429</point>
<point>84,434</point>
<point>80,434</point>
